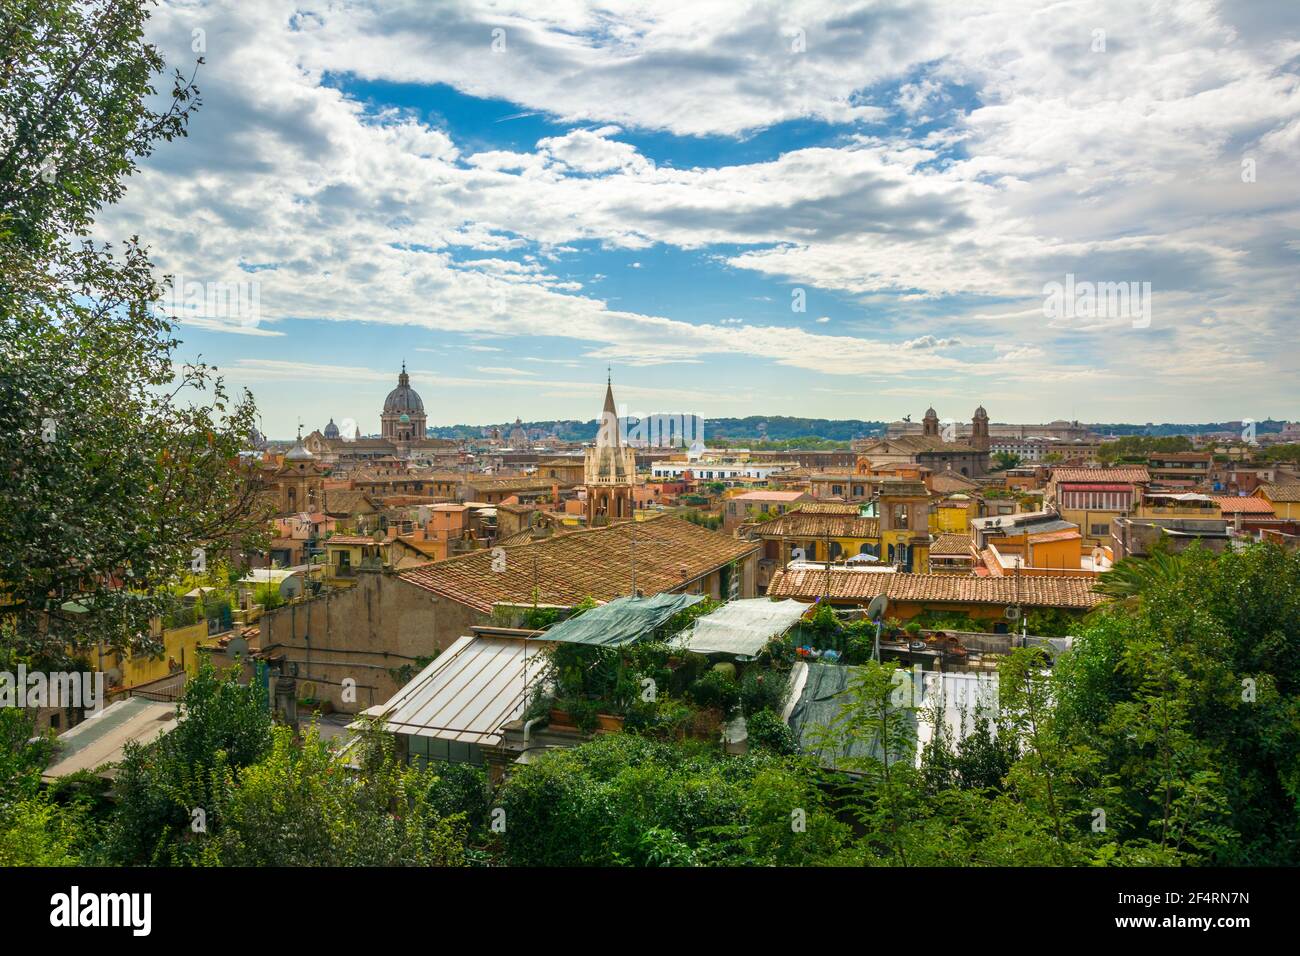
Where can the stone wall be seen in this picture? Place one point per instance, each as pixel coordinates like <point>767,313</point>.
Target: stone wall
<point>365,633</point>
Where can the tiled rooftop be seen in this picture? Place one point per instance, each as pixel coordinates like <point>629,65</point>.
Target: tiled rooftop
<point>1063,592</point>
<point>1229,504</point>
<point>1287,493</point>
<point>950,543</point>
<point>1110,475</point>
<point>800,524</point>
<point>593,562</point>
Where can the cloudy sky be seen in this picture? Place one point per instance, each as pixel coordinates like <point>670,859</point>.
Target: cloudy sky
<point>806,208</point>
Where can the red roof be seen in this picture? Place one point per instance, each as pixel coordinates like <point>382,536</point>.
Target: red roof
<point>860,586</point>
<point>1134,473</point>
<point>1230,505</point>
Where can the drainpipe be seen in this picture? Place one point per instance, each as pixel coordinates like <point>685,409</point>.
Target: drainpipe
<point>528,727</point>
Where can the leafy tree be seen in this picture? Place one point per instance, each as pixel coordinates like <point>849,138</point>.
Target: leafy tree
<point>116,466</point>
<point>225,728</point>
<point>875,739</point>
<point>622,799</point>
<point>1189,690</point>
<point>1003,460</point>
<point>302,806</point>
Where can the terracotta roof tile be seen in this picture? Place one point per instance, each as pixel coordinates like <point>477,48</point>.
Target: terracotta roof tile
<point>1132,473</point>
<point>800,524</point>
<point>950,543</point>
<point>1287,493</point>
<point>1063,592</point>
<point>593,562</point>
<point>829,508</point>
<point>1230,504</point>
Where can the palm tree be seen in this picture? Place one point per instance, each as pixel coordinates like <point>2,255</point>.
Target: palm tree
<point>1130,578</point>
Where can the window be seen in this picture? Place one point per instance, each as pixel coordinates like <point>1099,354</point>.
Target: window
<point>1099,530</point>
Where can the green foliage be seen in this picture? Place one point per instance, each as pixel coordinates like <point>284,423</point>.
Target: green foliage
<point>762,689</point>
<point>622,799</point>
<point>383,816</point>
<point>1188,687</point>
<point>1003,460</point>
<point>704,519</point>
<point>226,727</point>
<point>768,731</point>
<point>1137,447</point>
<point>716,690</point>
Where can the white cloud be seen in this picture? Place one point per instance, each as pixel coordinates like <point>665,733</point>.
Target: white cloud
<point>1116,166</point>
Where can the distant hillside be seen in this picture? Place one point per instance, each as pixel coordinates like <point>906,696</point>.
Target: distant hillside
<point>1173,428</point>
<point>808,431</point>
<point>771,428</point>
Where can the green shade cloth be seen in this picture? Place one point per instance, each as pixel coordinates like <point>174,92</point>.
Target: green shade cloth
<point>820,701</point>
<point>622,620</point>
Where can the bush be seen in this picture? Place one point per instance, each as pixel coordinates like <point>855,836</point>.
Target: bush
<point>761,690</point>
<point>716,690</point>
<point>625,800</point>
<point>767,731</point>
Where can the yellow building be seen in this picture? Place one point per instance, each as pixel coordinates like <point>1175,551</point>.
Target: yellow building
<point>346,555</point>
<point>952,515</point>
<point>1285,500</point>
<point>815,532</point>
<point>180,653</point>
<point>904,508</point>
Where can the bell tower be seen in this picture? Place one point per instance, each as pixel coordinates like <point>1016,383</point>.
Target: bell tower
<point>930,423</point>
<point>609,470</point>
<point>979,430</point>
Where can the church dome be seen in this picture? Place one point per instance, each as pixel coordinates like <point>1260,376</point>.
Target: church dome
<point>331,430</point>
<point>403,398</point>
<point>299,453</point>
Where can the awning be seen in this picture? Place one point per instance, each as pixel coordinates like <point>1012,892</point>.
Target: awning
<point>621,621</point>
<point>742,627</point>
<point>467,693</point>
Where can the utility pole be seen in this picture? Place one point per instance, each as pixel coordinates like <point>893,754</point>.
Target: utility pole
<point>826,594</point>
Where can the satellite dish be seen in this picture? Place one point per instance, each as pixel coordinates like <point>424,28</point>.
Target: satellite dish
<point>291,588</point>
<point>877,608</point>
<point>1012,614</point>
<point>238,646</point>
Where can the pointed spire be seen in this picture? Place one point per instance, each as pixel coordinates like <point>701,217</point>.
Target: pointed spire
<point>608,432</point>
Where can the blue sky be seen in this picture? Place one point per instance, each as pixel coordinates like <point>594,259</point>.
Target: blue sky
<point>513,200</point>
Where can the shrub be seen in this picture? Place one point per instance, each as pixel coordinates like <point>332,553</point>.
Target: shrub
<point>716,689</point>
<point>767,731</point>
<point>761,690</point>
